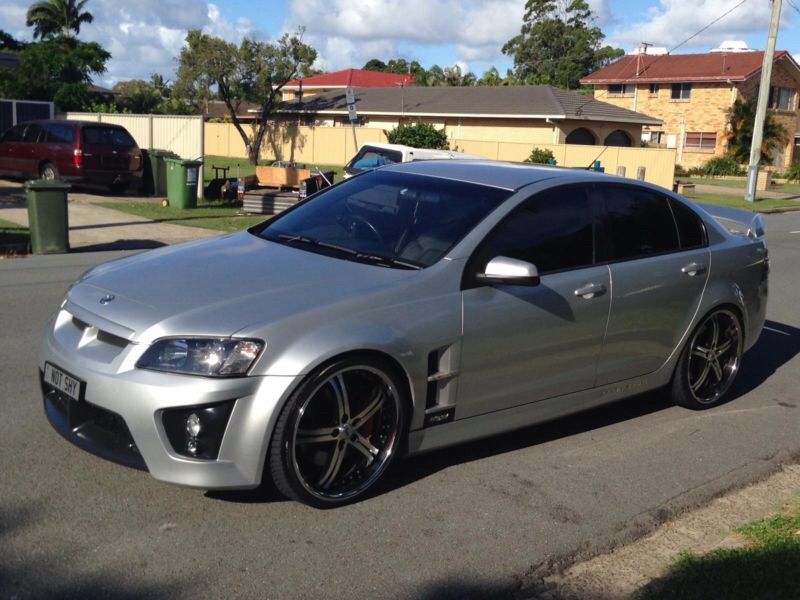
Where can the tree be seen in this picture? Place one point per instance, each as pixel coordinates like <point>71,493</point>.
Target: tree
<point>9,44</point>
<point>56,69</point>
<point>254,71</point>
<point>741,118</point>
<point>138,96</point>
<point>57,18</point>
<point>419,135</point>
<point>558,44</point>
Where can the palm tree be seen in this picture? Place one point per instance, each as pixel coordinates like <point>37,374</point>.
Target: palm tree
<point>741,117</point>
<point>57,18</point>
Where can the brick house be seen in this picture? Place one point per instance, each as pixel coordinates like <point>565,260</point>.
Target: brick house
<point>691,94</point>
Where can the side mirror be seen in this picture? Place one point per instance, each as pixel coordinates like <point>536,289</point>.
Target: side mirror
<point>510,271</point>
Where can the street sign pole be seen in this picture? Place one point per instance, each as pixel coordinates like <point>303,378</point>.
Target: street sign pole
<point>763,99</point>
<point>352,114</point>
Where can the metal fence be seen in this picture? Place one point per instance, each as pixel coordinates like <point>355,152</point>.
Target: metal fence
<point>19,111</point>
<point>182,135</point>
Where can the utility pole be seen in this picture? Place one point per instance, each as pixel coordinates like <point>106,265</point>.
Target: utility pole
<point>763,99</point>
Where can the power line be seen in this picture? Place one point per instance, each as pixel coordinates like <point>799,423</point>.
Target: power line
<point>671,50</point>
<point>797,10</point>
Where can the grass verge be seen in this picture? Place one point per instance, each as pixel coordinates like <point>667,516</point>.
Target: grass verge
<point>245,168</point>
<point>767,567</point>
<point>14,239</point>
<point>786,188</point>
<point>219,217</point>
<point>739,202</point>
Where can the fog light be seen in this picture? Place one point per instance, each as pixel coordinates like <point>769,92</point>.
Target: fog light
<point>191,445</point>
<point>193,425</point>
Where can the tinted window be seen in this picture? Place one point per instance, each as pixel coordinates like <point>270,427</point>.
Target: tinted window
<point>14,134</point>
<point>397,216</point>
<point>107,136</point>
<point>637,222</point>
<point>691,231</point>
<point>59,134</point>
<point>553,230</point>
<point>32,133</point>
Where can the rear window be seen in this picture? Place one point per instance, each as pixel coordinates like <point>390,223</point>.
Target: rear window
<point>107,136</point>
<point>59,134</point>
<point>370,158</point>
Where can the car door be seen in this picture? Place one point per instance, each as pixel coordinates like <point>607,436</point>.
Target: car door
<point>28,150</point>
<point>9,150</point>
<point>525,343</point>
<point>658,274</point>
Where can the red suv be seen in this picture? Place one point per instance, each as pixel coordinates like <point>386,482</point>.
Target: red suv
<point>79,151</point>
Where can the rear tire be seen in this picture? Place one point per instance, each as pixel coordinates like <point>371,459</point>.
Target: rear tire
<point>48,172</point>
<point>710,361</point>
<point>338,432</point>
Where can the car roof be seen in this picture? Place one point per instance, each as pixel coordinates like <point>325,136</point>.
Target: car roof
<point>70,122</point>
<point>500,174</point>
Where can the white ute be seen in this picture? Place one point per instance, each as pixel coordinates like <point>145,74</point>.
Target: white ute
<point>377,154</point>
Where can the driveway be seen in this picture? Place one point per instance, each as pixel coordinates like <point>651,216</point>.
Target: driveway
<point>93,227</point>
<point>471,521</point>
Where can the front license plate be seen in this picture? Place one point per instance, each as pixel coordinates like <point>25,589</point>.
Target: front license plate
<point>63,382</point>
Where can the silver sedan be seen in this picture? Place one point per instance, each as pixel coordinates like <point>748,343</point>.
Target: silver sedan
<point>410,308</point>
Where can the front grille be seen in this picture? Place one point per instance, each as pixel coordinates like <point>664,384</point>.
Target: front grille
<point>95,429</point>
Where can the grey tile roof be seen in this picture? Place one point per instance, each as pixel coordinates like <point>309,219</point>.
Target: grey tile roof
<point>521,101</point>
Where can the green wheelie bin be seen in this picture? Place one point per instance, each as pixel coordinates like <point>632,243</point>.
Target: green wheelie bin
<point>47,216</point>
<point>154,177</point>
<point>182,180</point>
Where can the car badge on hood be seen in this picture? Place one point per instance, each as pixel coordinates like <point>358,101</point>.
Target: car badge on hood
<point>106,299</point>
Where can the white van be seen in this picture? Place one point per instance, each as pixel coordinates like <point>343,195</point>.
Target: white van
<point>376,154</point>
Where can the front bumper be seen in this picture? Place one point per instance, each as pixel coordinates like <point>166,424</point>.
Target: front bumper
<point>120,416</point>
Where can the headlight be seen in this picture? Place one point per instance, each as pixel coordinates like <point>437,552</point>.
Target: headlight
<point>212,357</point>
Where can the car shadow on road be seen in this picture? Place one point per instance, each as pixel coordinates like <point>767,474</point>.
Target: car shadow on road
<point>779,343</point>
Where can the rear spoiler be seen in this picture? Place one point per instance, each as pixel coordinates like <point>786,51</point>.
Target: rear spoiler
<point>736,221</point>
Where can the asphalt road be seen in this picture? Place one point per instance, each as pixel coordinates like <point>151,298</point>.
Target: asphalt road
<point>470,521</point>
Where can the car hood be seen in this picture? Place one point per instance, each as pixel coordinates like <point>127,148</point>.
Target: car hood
<point>218,286</point>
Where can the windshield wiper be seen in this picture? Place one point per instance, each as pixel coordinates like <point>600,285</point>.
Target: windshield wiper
<point>362,256</point>
<point>309,241</point>
<point>393,262</point>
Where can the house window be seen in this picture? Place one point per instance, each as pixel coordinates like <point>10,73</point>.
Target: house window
<point>681,91</point>
<point>781,98</point>
<point>703,141</point>
<point>653,137</point>
<point>621,89</point>
<point>654,89</point>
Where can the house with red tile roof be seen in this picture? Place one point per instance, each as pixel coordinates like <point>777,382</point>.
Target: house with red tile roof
<point>692,93</point>
<point>339,80</point>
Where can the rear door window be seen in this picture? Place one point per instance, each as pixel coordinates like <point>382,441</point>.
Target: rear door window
<point>637,222</point>
<point>59,134</point>
<point>14,134</point>
<point>107,136</point>
<point>691,230</point>
<point>32,133</point>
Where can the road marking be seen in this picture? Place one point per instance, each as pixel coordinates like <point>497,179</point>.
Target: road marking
<point>794,232</point>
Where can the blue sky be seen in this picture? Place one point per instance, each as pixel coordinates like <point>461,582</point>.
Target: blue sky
<point>145,36</point>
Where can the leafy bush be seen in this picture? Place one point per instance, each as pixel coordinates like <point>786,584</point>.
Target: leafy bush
<point>793,172</point>
<point>680,171</point>
<point>419,135</point>
<point>540,156</point>
<point>722,165</point>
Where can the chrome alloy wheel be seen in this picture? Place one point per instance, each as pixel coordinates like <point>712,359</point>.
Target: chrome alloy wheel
<point>346,433</point>
<point>716,351</point>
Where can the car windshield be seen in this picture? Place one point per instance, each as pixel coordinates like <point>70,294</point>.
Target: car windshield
<point>370,158</point>
<point>390,219</point>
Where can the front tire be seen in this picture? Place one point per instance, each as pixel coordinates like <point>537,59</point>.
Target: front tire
<point>710,361</point>
<point>338,432</point>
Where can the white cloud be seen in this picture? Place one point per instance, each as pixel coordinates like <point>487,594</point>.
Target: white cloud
<point>672,21</point>
<point>347,33</point>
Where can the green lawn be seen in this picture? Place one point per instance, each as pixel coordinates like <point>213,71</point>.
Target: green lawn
<point>215,216</point>
<point>767,567</point>
<point>13,235</point>
<point>738,201</point>
<point>787,188</point>
<point>245,168</point>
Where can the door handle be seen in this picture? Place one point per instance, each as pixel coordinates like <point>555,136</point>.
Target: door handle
<point>590,290</point>
<point>693,269</point>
